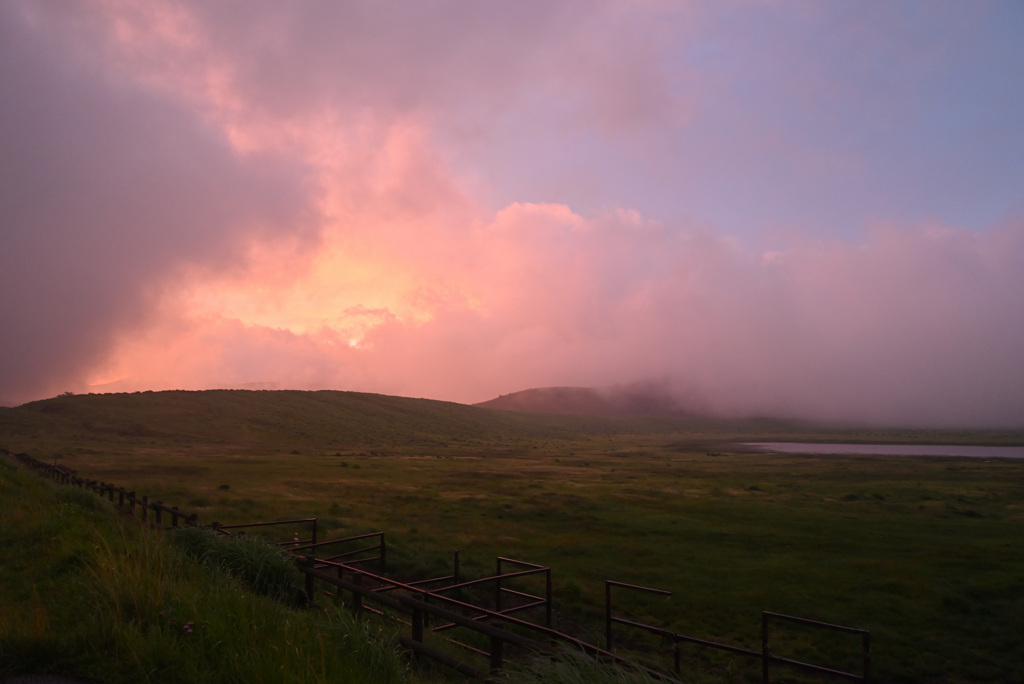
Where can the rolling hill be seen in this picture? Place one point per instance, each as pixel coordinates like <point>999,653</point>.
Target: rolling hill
<point>321,419</point>
<point>630,400</point>
<point>330,420</point>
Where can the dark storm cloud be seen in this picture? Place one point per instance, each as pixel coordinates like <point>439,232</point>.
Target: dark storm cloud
<point>104,190</point>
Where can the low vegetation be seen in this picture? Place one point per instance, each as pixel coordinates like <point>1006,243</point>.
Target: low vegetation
<point>87,593</point>
<point>923,552</point>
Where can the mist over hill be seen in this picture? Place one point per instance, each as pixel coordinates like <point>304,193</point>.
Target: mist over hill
<point>328,421</point>
<point>639,399</point>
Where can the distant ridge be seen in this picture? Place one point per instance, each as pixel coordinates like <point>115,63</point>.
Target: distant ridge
<point>630,400</point>
<point>260,419</point>
<point>332,421</point>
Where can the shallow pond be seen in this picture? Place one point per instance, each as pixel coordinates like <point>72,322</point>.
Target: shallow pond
<point>891,449</point>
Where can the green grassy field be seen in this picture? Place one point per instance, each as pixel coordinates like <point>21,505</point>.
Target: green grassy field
<point>85,592</point>
<point>923,552</point>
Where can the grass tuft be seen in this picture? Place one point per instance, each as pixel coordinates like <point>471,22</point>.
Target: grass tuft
<point>261,566</point>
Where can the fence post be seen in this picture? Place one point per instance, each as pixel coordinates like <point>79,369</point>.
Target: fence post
<point>607,616</point>
<point>497,654</point>
<point>497,588</point>
<point>145,508</point>
<point>866,651</point>
<point>310,580</point>
<point>455,572</point>
<point>159,513</point>
<point>417,629</point>
<point>120,497</point>
<point>314,532</point>
<point>357,598</point>
<point>547,607</point>
<point>765,650</point>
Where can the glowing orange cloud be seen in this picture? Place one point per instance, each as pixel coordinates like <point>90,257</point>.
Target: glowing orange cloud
<point>308,196</point>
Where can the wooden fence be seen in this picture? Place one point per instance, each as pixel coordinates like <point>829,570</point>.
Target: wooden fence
<point>154,513</point>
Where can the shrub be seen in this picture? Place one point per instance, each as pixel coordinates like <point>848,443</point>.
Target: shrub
<point>195,542</point>
<point>260,565</point>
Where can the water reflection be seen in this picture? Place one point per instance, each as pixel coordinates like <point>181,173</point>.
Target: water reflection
<point>891,449</point>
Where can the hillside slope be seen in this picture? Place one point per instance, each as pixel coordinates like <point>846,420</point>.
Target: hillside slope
<point>318,418</point>
<point>638,400</point>
<point>86,591</point>
<point>334,420</point>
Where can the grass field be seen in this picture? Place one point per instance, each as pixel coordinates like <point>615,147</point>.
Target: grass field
<point>85,592</point>
<point>923,552</point>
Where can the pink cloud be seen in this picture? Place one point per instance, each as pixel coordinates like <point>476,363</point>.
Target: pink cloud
<point>912,324</point>
<point>295,196</point>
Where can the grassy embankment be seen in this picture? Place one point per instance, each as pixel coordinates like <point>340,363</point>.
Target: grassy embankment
<point>85,592</point>
<point>924,552</point>
<point>88,593</point>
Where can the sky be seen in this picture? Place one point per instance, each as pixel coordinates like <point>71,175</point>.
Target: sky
<point>800,208</point>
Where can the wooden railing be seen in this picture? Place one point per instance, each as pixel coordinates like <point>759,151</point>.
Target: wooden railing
<point>150,512</point>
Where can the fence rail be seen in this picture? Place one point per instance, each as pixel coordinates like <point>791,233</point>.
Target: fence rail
<point>498,633</point>
<point>125,499</point>
<point>500,628</point>
<point>766,655</point>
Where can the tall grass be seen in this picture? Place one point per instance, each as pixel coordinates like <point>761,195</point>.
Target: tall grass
<point>86,593</point>
<point>258,564</point>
